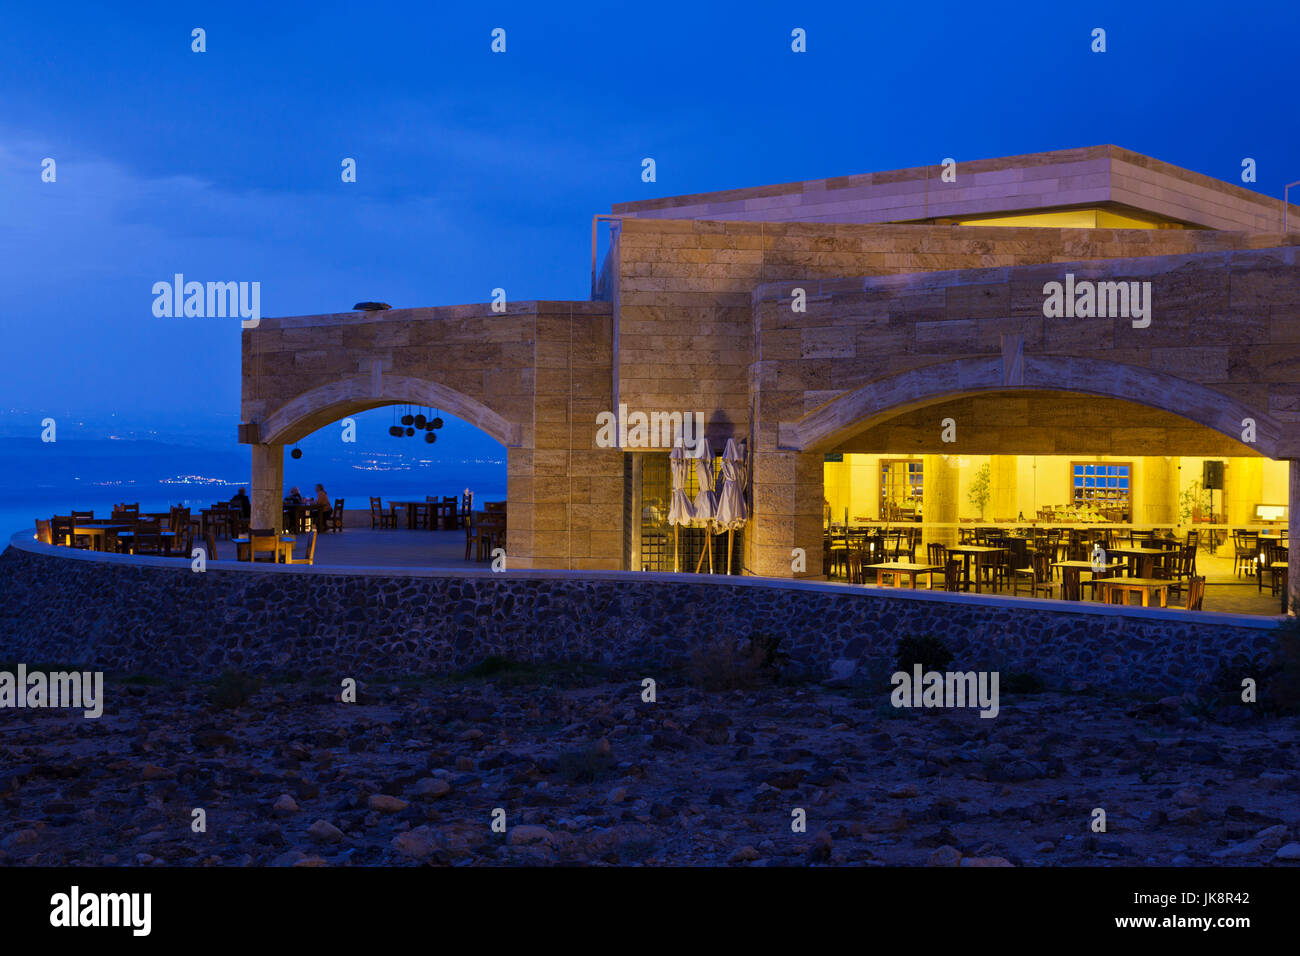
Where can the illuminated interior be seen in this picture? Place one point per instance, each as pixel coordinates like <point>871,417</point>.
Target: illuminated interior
<point>936,490</point>
<point>1091,218</point>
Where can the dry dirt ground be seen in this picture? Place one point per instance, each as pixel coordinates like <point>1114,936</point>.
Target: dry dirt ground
<point>586,772</point>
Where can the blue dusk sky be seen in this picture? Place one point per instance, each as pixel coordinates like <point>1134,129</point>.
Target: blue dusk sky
<point>477,170</point>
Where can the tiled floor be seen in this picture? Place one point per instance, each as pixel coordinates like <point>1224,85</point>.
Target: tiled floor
<point>1224,591</point>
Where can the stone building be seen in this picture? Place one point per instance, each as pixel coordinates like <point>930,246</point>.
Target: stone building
<point>876,340</point>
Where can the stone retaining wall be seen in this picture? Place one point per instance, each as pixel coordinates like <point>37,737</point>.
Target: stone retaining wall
<point>107,612</point>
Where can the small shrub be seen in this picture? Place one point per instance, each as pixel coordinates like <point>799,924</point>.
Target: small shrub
<point>730,664</point>
<point>232,690</point>
<point>930,652</point>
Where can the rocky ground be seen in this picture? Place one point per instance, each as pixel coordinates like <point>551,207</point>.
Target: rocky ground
<point>587,772</point>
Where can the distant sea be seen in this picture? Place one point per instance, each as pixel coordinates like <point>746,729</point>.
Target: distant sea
<point>39,479</point>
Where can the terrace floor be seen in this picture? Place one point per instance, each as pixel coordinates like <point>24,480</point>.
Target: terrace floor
<point>357,547</point>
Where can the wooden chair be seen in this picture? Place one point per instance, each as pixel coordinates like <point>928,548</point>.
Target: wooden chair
<point>469,521</point>
<point>335,522</point>
<point>856,574</point>
<point>952,575</point>
<point>177,539</point>
<point>147,538</point>
<point>839,553</point>
<point>1195,593</point>
<point>1245,551</point>
<point>378,517</point>
<point>449,510</point>
<point>210,541</point>
<point>309,557</point>
<point>263,541</point>
<point>81,517</point>
<point>490,532</point>
<point>44,534</point>
<point>220,519</point>
<point>1038,575</point>
<point>1273,553</point>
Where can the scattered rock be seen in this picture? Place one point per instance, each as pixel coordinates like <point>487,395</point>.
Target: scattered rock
<point>945,856</point>
<point>325,832</point>
<point>432,787</point>
<point>526,834</point>
<point>417,844</point>
<point>386,804</point>
<point>286,804</point>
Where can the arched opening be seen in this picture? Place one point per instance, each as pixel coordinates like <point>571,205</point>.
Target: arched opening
<point>447,447</point>
<point>945,456</point>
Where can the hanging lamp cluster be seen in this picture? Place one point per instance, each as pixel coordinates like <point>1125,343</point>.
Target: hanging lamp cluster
<point>411,423</point>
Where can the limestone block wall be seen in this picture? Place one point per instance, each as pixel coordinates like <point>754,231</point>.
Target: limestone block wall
<point>684,324</point>
<point>533,377</point>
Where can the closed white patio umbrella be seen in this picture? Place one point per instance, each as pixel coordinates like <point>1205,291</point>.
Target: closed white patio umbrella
<point>680,510</point>
<point>732,513</point>
<point>706,501</point>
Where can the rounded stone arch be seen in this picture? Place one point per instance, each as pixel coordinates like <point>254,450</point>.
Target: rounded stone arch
<point>878,401</point>
<point>311,410</point>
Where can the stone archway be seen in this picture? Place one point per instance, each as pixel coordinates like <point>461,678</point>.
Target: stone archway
<point>876,401</point>
<point>319,406</point>
<point>789,473</point>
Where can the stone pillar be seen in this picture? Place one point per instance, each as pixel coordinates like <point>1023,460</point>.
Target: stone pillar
<point>1293,535</point>
<point>267,493</point>
<point>940,499</point>
<point>1003,476</point>
<point>788,490</point>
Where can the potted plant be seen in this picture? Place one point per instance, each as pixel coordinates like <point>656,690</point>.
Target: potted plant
<point>1194,502</point>
<point>979,489</point>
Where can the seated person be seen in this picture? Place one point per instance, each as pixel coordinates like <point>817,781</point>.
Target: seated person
<point>240,500</point>
<point>295,496</point>
<point>326,508</point>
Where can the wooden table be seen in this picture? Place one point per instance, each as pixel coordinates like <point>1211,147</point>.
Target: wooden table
<point>1143,586</point>
<point>900,568</point>
<point>97,533</point>
<point>412,507</point>
<point>283,549</point>
<point>1145,558</point>
<point>1070,571</point>
<point>979,551</point>
<point>488,531</point>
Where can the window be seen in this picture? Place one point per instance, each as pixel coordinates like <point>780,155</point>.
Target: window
<point>1103,487</point>
<point>902,485</point>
